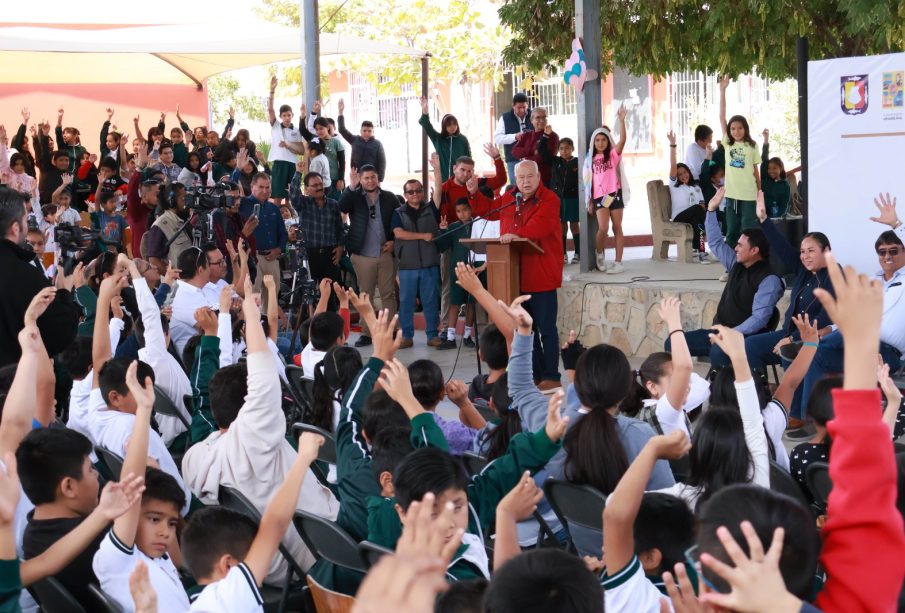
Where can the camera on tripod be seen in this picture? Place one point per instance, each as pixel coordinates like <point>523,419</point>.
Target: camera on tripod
<point>209,198</point>
<point>72,239</point>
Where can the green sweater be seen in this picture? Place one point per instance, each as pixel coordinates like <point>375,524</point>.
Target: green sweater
<point>207,361</point>
<point>448,147</point>
<point>10,586</point>
<point>527,451</point>
<point>776,193</point>
<point>88,300</point>
<point>450,240</point>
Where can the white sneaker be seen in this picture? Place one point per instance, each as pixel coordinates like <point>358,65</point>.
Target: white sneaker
<point>704,258</point>
<point>615,269</point>
<point>601,261</point>
<point>609,265</point>
<point>724,277</point>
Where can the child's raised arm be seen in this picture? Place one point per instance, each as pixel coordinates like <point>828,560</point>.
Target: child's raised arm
<point>724,83</point>
<point>682,366</point>
<point>469,281</point>
<point>623,134</point>
<point>518,504</point>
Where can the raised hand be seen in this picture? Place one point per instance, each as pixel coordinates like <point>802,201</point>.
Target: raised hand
<point>425,532</point>
<point>671,137</point>
<point>457,392</point>
<point>206,319</point>
<point>362,304</point>
<point>731,341</point>
<point>60,113</point>
<point>670,311</point>
<point>518,313</point>
<point>26,115</point>
<point>724,82</point>
<point>766,135</point>
<point>39,305</point>
<point>226,299</point>
<point>142,589</point>
<point>717,199</point>
<point>807,328</point>
<point>30,340</point>
<point>621,113</point>
<point>109,113</point>
<point>231,112</point>
<point>354,178</point>
<point>142,392</point>
<point>522,500</point>
<point>671,446</point>
<point>394,379</point>
<point>425,105</point>
<point>556,422</point>
<point>491,150</point>
<point>435,161</point>
<point>385,345</point>
<point>886,205</point>
<point>309,446</point>
<point>571,350</point>
<point>341,106</point>
<point>303,110</point>
<point>316,107</point>
<point>116,305</point>
<point>341,295</point>
<point>163,116</point>
<point>9,489</point>
<point>472,184</point>
<point>117,498</point>
<point>467,279</point>
<point>273,83</point>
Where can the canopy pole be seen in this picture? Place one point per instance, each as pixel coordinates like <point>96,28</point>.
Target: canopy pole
<point>802,54</point>
<point>587,28</point>
<point>311,65</point>
<point>424,92</point>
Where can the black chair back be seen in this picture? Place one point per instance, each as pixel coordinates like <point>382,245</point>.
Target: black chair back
<point>326,540</point>
<point>54,598</point>
<point>577,505</point>
<point>300,387</point>
<point>371,553</point>
<point>484,409</point>
<point>327,451</point>
<point>164,406</point>
<point>232,498</point>
<point>781,481</point>
<point>474,462</point>
<point>817,476</point>
<point>104,602</point>
<point>898,447</point>
<point>112,461</point>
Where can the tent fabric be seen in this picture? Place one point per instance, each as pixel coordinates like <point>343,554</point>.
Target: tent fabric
<point>166,54</point>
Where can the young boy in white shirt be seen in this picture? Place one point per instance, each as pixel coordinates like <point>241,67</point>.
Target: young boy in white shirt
<point>147,531</point>
<point>229,556</point>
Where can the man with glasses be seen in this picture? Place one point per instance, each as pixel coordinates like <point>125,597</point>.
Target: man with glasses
<point>216,263</point>
<point>539,146</point>
<point>194,275</point>
<point>370,238</point>
<point>415,224</point>
<point>321,225</point>
<point>891,256</point>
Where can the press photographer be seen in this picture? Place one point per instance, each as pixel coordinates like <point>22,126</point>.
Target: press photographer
<point>20,281</point>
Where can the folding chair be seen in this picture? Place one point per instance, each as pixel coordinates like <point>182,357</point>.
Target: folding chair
<point>474,462</point>
<point>164,406</point>
<point>54,598</point>
<point>817,476</point>
<point>300,387</point>
<point>484,409</point>
<point>327,541</point>
<point>104,602</point>
<point>328,601</point>
<point>372,552</point>
<point>111,461</point>
<point>575,505</point>
<point>327,452</point>
<point>292,594</point>
<point>781,481</point>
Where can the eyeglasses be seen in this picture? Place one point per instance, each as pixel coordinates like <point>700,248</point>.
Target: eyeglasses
<point>892,252</point>
<point>412,192</point>
<point>219,262</point>
<point>317,188</point>
<point>373,210</point>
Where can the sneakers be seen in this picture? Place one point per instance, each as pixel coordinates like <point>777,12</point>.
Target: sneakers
<point>363,341</point>
<point>406,343</point>
<point>724,277</point>
<point>615,268</point>
<point>468,342</point>
<point>445,344</point>
<point>601,261</point>
<point>704,258</point>
<point>800,435</point>
<point>435,341</point>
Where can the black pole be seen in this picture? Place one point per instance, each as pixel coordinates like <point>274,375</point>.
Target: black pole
<point>587,27</point>
<point>424,92</point>
<point>802,55</point>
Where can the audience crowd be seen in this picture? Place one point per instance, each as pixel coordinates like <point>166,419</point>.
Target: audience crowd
<point>187,425</point>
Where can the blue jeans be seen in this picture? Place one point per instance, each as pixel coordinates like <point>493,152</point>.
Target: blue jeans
<point>545,358</point>
<point>699,346</point>
<point>829,359</point>
<point>426,283</point>
<point>759,348</point>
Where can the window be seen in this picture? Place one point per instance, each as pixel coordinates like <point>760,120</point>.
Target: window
<point>552,94</point>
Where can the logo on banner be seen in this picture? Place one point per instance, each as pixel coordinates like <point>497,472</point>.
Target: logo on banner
<point>893,89</point>
<point>854,91</point>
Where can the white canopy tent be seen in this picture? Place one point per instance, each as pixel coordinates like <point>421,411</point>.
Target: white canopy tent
<point>179,54</point>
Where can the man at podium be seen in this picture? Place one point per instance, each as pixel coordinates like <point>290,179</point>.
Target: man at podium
<point>531,211</point>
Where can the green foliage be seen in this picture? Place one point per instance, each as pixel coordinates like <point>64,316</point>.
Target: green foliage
<point>223,91</point>
<point>463,41</point>
<point>662,36</point>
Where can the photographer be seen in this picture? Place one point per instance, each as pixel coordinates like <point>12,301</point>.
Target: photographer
<point>21,281</point>
<point>167,237</point>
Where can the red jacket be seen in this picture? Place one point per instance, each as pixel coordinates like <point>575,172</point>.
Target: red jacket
<point>528,148</point>
<point>540,272</point>
<point>452,191</point>
<point>863,538</point>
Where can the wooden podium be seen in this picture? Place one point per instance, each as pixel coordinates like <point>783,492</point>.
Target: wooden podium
<point>503,264</point>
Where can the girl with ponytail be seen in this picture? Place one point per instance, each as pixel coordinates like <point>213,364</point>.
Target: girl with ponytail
<point>332,378</point>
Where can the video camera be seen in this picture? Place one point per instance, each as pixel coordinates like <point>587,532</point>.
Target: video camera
<point>204,198</point>
<point>72,239</point>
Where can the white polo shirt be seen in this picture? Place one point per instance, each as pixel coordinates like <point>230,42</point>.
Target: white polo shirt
<point>237,592</point>
<point>278,133</point>
<point>114,562</point>
<point>629,590</point>
<point>186,301</point>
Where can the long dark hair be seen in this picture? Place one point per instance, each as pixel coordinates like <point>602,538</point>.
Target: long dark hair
<point>747,137</point>
<point>497,439</point>
<point>594,453</point>
<point>719,454</point>
<point>332,378</point>
<point>444,123</point>
<point>820,404</point>
<point>691,180</point>
<point>723,395</point>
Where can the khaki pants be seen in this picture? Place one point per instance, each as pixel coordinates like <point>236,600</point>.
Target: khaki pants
<point>266,268</point>
<point>376,274</point>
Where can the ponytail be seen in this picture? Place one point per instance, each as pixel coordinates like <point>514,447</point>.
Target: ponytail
<point>651,371</point>
<point>510,423</point>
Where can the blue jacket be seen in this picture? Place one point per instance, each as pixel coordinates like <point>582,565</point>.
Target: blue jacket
<point>271,231</point>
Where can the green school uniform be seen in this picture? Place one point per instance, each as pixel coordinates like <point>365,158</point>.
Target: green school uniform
<point>207,361</point>
<point>180,151</point>
<point>10,586</point>
<point>527,451</point>
<point>449,239</point>
<point>776,193</point>
<point>88,299</point>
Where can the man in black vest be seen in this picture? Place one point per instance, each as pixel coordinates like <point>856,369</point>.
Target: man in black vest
<point>509,129</point>
<point>751,294</point>
<point>415,224</point>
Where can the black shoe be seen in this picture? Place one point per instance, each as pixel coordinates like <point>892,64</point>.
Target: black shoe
<point>447,344</point>
<point>468,342</point>
<point>800,435</point>
<point>363,341</point>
